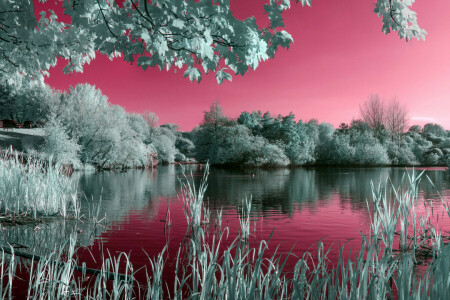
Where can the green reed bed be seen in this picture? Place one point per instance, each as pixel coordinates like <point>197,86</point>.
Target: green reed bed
<point>35,188</point>
<point>383,268</point>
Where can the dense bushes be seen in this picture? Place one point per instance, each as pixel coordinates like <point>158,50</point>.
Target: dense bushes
<point>235,145</point>
<point>260,140</point>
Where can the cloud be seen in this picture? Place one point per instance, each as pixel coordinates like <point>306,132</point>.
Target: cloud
<point>424,119</point>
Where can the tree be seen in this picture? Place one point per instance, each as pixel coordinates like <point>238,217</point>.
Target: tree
<point>396,120</point>
<point>237,146</point>
<point>185,146</point>
<point>59,145</point>
<point>192,34</point>
<point>372,112</point>
<point>151,118</point>
<point>22,99</point>
<point>435,129</point>
<point>368,151</point>
<point>30,46</point>
<point>252,121</point>
<point>215,116</point>
<point>415,128</point>
<point>108,137</point>
<point>337,150</point>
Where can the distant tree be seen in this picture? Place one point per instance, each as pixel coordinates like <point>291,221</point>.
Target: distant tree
<point>337,151</point>
<point>312,130</point>
<point>359,126</point>
<point>343,128</point>
<point>300,145</point>
<point>165,146</point>
<point>396,120</point>
<point>373,112</point>
<point>185,146</point>
<point>173,127</point>
<point>139,126</point>
<point>326,132</point>
<point>215,116</point>
<point>418,145</point>
<point>402,155</point>
<point>271,127</point>
<point>264,154</point>
<point>416,129</point>
<point>237,146</point>
<point>104,131</point>
<point>151,118</point>
<point>252,121</point>
<point>435,129</point>
<point>434,156</point>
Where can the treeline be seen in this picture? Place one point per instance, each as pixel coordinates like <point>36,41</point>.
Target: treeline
<point>262,140</point>
<point>83,129</point>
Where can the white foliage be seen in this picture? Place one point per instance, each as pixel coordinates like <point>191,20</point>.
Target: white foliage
<point>59,145</point>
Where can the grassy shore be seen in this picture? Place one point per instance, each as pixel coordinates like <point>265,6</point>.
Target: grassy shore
<point>35,188</point>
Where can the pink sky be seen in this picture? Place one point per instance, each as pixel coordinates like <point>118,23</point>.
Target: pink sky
<point>339,57</point>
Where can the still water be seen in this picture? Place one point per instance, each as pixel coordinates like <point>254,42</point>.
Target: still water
<point>300,206</point>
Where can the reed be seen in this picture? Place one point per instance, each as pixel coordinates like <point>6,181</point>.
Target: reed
<point>244,219</point>
<point>35,188</point>
<point>194,210</point>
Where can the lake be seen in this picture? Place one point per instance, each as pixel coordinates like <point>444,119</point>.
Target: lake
<point>300,206</point>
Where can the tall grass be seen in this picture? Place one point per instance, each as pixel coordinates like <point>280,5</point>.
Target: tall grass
<point>194,210</point>
<point>244,220</point>
<point>35,188</point>
<point>382,269</point>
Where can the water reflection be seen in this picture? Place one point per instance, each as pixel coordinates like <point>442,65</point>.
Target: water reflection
<point>287,190</point>
<point>298,196</point>
<point>47,237</point>
<point>132,190</point>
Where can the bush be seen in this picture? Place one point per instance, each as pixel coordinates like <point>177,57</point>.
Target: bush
<point>267,155</point>
<point>434,129</point>
<point>400,155</point>
<point>337,151</point>
<point>59,145</point>
<point>368,151</point>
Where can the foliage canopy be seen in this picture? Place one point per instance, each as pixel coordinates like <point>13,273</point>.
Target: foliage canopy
<point>196,36</point>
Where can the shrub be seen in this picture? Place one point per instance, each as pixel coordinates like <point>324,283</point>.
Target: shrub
<point>400,155</point>
<point>59,145</point>
<point>368,151</point>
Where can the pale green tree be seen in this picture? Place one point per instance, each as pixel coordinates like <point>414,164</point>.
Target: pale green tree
<point>196,35</point>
